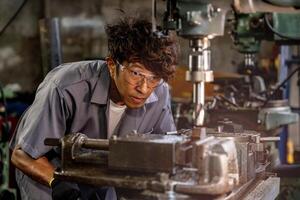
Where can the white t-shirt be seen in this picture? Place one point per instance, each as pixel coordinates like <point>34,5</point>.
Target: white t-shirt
<point>115,114</point>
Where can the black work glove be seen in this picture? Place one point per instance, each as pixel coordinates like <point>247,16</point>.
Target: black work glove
<point>63,190</point>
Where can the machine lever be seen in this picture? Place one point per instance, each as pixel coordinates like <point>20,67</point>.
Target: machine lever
<point>52,142</point>
<point>99,144</point>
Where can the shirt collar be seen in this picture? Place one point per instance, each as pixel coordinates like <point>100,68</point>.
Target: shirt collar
<point>101,90</point>
<point>152,98</point>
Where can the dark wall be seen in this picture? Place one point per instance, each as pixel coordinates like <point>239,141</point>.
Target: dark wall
<point>19,44</point>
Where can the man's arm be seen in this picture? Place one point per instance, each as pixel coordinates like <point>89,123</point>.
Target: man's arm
<point>40,170</point>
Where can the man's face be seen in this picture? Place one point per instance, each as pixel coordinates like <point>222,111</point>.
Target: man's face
<point>134,83</point>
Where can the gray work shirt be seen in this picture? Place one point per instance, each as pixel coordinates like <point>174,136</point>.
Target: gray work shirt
<point>73,98</point>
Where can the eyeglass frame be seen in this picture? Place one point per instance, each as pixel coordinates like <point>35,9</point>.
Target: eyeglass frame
<point>140,74</point>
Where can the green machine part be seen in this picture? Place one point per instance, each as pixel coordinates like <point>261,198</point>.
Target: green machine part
<point>6,192</point>
<point>251,29</point>
<point>286,27</point>
<point>248,32</point>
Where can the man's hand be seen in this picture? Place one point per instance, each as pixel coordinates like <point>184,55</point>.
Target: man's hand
<point>63,190</point>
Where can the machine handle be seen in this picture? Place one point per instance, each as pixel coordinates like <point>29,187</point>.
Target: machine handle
<point>99,144</point>
<point>52,142</point>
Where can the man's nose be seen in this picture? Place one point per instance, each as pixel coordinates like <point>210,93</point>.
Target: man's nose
<point>143,86</point>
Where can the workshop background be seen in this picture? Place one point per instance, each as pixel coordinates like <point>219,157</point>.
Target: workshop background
<point>80,35</point>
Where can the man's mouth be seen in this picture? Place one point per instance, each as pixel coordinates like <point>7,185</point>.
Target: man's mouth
<point>137,100</point>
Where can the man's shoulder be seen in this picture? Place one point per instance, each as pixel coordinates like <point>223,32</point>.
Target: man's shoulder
<point>74,72</point>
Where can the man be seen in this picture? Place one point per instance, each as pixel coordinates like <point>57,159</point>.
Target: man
<point>126,92</point>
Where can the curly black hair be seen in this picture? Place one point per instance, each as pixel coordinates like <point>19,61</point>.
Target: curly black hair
<point>131,39</point>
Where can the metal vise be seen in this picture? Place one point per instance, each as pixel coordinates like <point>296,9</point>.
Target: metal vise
<point>159,165</point>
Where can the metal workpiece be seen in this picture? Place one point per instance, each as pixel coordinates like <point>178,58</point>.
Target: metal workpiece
<point>147,159</point>
<point>216,161</point>
<point>213,168</point>
<point>251,152</point>
<point>218,185</point>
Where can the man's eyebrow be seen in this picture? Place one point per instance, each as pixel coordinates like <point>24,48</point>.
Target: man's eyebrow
<point>136,64</point>
<point>140,66</point>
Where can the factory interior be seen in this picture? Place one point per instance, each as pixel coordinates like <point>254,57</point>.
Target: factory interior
<point>234,99</point>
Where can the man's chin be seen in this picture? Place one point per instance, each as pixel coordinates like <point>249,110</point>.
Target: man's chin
<point>134,106</point>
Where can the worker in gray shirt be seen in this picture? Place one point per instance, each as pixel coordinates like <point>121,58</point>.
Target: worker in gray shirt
<point>126,92</point>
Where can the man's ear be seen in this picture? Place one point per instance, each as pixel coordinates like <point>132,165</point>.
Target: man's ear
<point>111,66</point>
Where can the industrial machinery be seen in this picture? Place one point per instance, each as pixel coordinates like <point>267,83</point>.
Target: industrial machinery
<point>266,109</point>
<point>241,104</point>
<point>221,162</point>
<point>197,21</point>
<point>182,166</point>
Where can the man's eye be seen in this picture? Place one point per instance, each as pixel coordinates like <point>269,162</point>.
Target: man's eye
<point>134,73</point>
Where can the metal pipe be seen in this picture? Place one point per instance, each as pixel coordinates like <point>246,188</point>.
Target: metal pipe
<point>50,43</point>
<point>199,73</point>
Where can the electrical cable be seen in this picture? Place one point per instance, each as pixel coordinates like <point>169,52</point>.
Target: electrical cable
<point>276,32</point>
<point>13,17</point>
<point>281,85</point>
